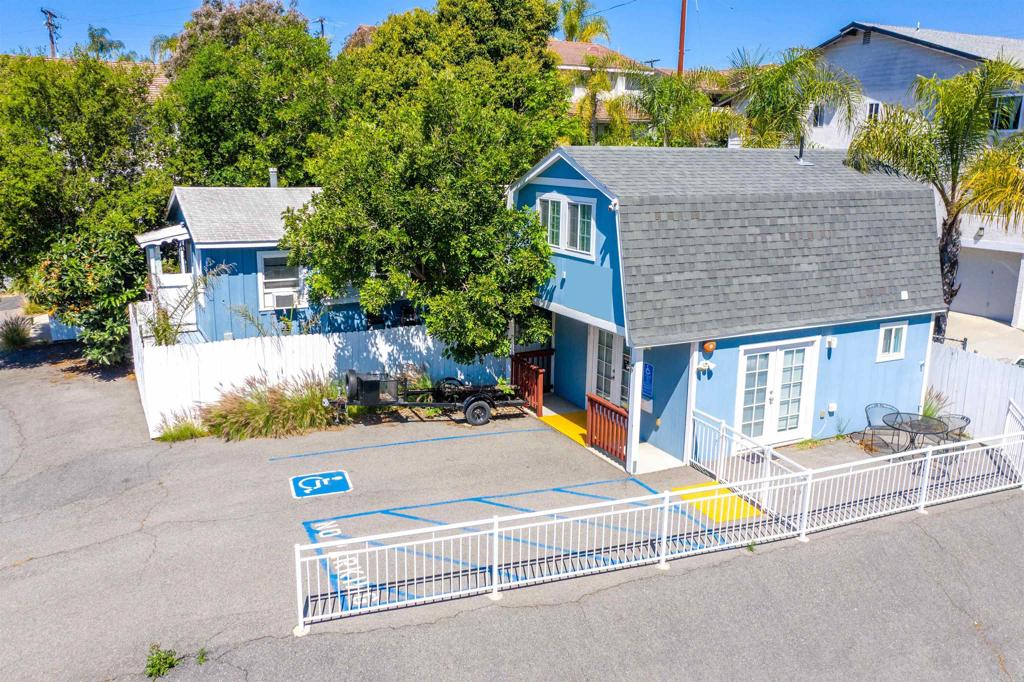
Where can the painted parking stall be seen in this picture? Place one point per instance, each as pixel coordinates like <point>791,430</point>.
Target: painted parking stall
<point>320,484</point>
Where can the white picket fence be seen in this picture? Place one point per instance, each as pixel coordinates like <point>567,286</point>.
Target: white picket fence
<point>979,387</point>
<point>348,577</point>
<point>174,380</point>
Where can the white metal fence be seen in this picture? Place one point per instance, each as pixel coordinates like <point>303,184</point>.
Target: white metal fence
<point>728,455</point>
<point>348,577</point>
<point>976,386</point>
<point>173,380</point>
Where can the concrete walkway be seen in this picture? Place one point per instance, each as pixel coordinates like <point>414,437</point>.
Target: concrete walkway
<point>992,339</point>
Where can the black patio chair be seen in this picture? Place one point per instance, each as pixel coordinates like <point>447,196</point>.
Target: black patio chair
<point>876,435</point>
<point>957,426</point>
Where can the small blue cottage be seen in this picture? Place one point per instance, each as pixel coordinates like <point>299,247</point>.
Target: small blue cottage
<point>235,232</point>
<point>779,295</point>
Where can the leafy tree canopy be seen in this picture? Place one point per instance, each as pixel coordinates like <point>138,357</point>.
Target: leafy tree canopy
<point>680,111</point>
<point>245,100</point>
<point>453,105</point>
<point>77,181</point>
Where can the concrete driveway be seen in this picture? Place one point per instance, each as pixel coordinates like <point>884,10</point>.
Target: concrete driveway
<point>109,541</point>
<point>992,339</point>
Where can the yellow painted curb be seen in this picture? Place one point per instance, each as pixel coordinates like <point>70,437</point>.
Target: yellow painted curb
<point>571,424</point>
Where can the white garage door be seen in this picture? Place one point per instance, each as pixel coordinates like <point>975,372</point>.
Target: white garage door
<point>988,283</point>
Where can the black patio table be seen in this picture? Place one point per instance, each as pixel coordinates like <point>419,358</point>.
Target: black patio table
<point>915,425</point>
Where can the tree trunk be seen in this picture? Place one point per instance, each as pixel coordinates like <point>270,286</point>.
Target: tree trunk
<point>593,120</point>
<point>949,262</point>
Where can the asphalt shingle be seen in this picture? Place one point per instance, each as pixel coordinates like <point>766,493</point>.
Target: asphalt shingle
<point>216,215</point>
<point>726,242</point>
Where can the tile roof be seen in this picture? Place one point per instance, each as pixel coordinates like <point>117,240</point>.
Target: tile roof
<point>727,242</point>
<point>574,53</point>
<point>964,44</point>
<point>216,215</point>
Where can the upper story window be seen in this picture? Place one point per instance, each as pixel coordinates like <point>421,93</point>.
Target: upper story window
<point>874,111</point>
<point>892,338</point>
<point>818,117</point>
<point>280,284</point>
<point>569,222</point>
<point>1006,113</point>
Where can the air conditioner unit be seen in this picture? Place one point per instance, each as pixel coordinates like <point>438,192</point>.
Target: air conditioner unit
<point>284,301</point>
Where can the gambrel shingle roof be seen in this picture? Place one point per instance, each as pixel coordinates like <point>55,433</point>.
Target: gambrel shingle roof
<point>727,242</point>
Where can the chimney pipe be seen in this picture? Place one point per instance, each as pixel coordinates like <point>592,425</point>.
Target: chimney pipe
<point>801,161</point>
<point>273,177</point>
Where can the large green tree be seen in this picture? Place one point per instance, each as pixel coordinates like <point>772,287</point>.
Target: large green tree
<point>78,178</point>
<point>245,95</point>
<point>947,141</point>
<point>777,98</point>
<point>454,105</point>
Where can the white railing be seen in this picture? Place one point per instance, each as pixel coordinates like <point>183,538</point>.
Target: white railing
<point>348,577</point>
<point>728,455</point>
<point>1014,418</point>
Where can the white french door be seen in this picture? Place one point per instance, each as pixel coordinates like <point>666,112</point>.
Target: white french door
<point>775,401</point>
<point>609,366</point>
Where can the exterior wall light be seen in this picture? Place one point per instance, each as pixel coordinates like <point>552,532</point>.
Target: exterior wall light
<point>709,346</point>
<point>831,341</point>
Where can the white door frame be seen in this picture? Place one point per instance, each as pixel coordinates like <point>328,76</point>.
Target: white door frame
<point>809,388</point>
<point>617,351</point>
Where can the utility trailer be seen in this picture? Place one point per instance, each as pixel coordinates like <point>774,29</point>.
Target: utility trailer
<point>477,401</point>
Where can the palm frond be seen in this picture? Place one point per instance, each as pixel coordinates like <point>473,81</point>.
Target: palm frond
<point>995,182</point>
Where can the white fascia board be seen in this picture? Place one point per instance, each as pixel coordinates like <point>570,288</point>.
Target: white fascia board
<point>164,234</point>
<point>545,163</point>
<point>571,313</point>
<point>238,245</point>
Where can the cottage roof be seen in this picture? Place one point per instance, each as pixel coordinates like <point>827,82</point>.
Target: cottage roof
<point>228,215</point>
<point>969,45</point>
<point>727,242</point>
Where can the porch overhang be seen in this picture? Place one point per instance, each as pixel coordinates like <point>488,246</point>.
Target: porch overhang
<point>163,235</point>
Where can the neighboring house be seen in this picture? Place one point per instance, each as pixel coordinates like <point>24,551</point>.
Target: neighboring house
<point>572,56</point>
<point>887,60</point>
<point>741,282</point>
<point>257,292</point>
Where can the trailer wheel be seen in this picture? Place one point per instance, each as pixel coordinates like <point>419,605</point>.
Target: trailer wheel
<point>478,412</point>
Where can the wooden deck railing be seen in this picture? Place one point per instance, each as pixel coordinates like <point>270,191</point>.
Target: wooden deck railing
<point>530,378</point>
<point>606,427</point>
<point>540,358</point>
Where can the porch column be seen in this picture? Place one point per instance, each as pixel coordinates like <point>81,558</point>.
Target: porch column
<point>636,378</point>
<point>691,402</point>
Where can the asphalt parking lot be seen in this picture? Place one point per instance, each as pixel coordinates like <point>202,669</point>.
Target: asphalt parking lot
<point>193,541</point>
<point>110,541</point>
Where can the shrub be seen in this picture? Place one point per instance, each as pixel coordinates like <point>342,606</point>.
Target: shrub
<point>258,409</point>
<point>15,333</point>
<point>160,661</point>
<point>935,403</point>
<point>181,429</point>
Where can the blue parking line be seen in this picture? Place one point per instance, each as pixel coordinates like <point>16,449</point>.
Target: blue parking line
<point>403,442</point>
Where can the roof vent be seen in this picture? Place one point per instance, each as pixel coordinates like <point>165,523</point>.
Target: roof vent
<point>800,155</point>
<point>273,177</point>
<point>866,40</point>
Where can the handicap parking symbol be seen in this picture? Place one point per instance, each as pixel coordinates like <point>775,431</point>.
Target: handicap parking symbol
<point>325,483</point>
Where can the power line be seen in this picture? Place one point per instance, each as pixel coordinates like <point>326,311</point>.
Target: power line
<point>609,9</point>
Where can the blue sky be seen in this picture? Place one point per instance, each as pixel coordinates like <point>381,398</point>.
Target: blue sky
<point>643,29</point>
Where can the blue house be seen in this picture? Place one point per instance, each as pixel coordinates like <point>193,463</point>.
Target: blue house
<point>776,295</point>
<point>231,235</point>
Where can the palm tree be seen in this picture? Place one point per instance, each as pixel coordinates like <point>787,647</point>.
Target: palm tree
<point>579,23</point>
<point>162,46</point>
<point>101,44</point>
<point>596,80</point>
<point>680,112</point>
<point>946,141</point>
<point>777,98</point>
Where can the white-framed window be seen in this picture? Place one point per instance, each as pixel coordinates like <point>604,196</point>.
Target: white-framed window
<point>569,222</point>
<point>280,284</point>
<point>1007,112</point>
<point>874,110</point>
<point>892,341</point>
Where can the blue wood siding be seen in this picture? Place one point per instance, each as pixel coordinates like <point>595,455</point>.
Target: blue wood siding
<point>215,316</point>
<point>847,375</point>
<point>589,286</point>
<point>570,343</point>
<point>671,367</point>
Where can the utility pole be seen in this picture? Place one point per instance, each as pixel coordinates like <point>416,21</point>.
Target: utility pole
<point>54,29</point>
<point>682,37</point>
<point>321,21</point>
